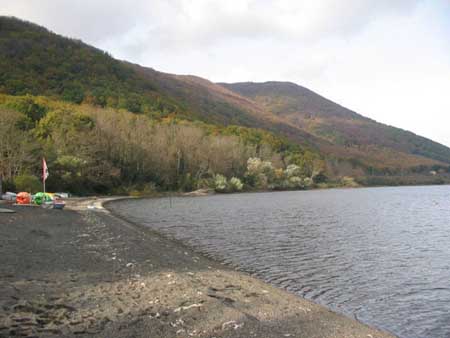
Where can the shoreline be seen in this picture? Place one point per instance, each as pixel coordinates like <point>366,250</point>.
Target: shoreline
<point>234,266</point>
<point>194,193</point>
<point>89,273</point>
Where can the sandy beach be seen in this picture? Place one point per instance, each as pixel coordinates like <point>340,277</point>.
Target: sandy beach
<point>88,273</point>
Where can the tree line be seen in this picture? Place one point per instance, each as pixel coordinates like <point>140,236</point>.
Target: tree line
<point>102,150</point>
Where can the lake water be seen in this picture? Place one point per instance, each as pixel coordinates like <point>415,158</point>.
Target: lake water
<point>381,255</point>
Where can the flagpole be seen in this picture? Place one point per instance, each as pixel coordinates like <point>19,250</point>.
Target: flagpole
<point>44,169</point>
<point>44,172</point>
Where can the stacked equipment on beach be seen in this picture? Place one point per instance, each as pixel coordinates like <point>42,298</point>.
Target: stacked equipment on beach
<point>44,199</point>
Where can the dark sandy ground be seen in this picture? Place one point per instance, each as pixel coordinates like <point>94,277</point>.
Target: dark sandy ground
<point>89,274</point>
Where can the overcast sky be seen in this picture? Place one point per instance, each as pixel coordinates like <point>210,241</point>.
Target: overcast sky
<point>386,59</point>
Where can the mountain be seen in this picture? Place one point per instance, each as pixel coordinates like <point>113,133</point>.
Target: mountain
<point>213,103</point>
<point>36,61</point>
<point>347,131</point>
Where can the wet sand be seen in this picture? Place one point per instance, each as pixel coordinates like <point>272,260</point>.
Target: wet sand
<point>87,273</point>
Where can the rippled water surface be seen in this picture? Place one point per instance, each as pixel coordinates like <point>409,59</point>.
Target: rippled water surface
<point>381,255</point>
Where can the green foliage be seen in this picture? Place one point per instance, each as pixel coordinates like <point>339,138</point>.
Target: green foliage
<point>293,170</point>
<point>133,103</point>
<point>62,124</point>
<point>187,183</point>
<point>95,150</point>
<point>260,174</point>
<point>320,177</point>
<point>17,148</point>
<point>28,183</point>
<point>235,184</point>
<point>220,183</point>
<point>36,61</point>
<point>349,182</point>
<point>409,179</point>
<point>73,93</point>
<point>146,189</point>
<point>28,106</point>
<point>353,136</point>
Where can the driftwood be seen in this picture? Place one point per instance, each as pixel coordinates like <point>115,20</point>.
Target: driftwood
<point>200,192</point>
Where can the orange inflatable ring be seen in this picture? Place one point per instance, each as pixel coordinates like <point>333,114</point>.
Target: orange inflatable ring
<point>23,198</point>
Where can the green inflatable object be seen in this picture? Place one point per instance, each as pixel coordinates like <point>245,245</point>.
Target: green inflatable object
<point>42,197</point>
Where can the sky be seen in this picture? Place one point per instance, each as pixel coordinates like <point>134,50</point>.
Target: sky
<point>386,59</point>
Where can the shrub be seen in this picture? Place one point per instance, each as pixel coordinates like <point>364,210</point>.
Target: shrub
<point>29,107</point>
<point>27,183</point>
<point>295,182</point>
<point>253,165</point>
<point>292,170</point>
<point>235,184</point>
<point>349,182</point>
<point>73,93</point>
<point>187,182</point>
<point>308,182</point>
<point>320,177</point>
<point>146,189</point>
<point>262,182</point>
<point>259,173</point>
<point>206,183</point>
<point>220,183</point>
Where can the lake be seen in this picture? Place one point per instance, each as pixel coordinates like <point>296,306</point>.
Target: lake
<point>380,255</point>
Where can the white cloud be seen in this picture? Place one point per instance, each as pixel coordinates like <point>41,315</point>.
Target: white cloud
<point>385,59</point>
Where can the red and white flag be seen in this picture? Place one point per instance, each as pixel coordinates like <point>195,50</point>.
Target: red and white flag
<point>44,170</point>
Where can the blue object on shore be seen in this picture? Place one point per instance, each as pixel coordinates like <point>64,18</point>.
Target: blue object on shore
<point>59,205</point>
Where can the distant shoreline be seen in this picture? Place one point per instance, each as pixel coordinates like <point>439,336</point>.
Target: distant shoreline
<point>193,193</point>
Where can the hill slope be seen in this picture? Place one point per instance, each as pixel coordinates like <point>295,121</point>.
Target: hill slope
<point>331,122</point>
<point>212,103</point>
<point>36,61</point>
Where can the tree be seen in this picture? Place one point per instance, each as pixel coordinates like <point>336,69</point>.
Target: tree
<point>28,106</point>
<point>28,183</point>
<point>73,93</point>
<point>133,103</point>
<point>16,146</point>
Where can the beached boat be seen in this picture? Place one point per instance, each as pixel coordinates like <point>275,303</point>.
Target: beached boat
<point>59,205</point>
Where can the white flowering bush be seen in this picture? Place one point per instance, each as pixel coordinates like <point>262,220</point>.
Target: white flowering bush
<point>266,167</point>
<point>235,184</point>
<point>220,183</point>
<point>292,170</point>
<point>254,165</point>
<point>262,175</point>
<point>268,170</point>
<point>308,182</point>
<point>259,173</point>
<point>295,182</point>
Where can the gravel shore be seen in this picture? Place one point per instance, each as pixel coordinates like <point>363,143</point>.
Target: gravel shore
<point>87,273</point>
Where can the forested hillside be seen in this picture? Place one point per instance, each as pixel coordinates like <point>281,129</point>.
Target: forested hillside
<point>107,125</point>
<point>37,62</point>
<point>101,150</point>
<point>330,121</point>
